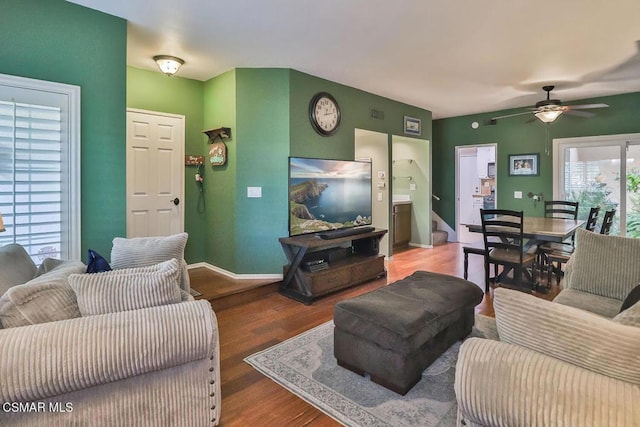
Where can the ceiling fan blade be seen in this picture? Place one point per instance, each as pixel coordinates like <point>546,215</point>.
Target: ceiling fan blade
<point>512,115</point>
<point>579,113</point>
<point>586,106</point>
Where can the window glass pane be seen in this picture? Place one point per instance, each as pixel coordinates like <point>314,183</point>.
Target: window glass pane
<point>591,178</point>
<point>633,191</point>
<point>33,175</point>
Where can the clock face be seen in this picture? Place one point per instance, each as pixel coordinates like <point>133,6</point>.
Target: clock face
<point>324,113</point>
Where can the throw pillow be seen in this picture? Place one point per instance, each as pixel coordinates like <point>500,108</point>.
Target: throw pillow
<point>630,316</point>
<point>145,251</point>
<point>16,266</point>
<point>96,263</point>
<point>47,298</point>
<point>631,299</point>
<point>127,289</point>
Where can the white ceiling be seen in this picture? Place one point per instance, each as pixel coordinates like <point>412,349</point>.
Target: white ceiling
<point>453,57</point>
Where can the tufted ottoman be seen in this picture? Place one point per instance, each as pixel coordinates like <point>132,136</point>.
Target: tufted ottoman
<point>395,332</point>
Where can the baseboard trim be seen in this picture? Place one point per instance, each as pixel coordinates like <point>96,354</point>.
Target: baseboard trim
<point>418,245</point>
<point>274,277</point>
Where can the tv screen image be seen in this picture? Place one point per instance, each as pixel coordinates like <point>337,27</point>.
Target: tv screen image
<point>328,194</point>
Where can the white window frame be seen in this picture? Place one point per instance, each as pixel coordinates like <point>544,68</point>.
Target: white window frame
<point>73,119</point>
<point>621,141</point>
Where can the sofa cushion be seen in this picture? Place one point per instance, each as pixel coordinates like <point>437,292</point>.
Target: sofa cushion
<point>127,289</point>
<point>630,316</point>
<point>146,251</point>
<point>569,334</point>
<point>47,298</point>
<point>604,265</point>
<point>602,306</point>
<point>16,265</point>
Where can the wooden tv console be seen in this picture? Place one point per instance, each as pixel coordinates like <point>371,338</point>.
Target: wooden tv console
<point>347,261</point>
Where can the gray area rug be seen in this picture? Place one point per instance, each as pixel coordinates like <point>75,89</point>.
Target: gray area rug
<point>305,366</point>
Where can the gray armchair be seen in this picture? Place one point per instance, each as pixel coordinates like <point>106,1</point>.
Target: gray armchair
<point>157,365</point>
<point>573,361</point>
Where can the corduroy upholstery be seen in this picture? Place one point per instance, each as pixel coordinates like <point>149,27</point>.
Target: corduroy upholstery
<point>127,289</point>
<point>555,365</point>
<point>146,251</point>
<point>603,265</point>
<point>152,366</point>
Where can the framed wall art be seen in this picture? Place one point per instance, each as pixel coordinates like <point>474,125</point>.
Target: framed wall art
<point>412,126</point>
<point>524,164</point>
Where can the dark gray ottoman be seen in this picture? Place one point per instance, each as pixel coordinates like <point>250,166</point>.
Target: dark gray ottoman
<point>395,332</point>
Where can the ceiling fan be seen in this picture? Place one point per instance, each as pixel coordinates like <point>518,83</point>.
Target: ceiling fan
<point>550,109</point>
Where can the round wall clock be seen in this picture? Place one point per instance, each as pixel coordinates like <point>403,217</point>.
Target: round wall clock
<point>324,113</point>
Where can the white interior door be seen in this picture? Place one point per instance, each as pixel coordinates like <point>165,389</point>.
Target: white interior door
<point>155,174</point>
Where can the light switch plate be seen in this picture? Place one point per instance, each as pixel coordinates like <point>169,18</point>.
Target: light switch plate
<point>254,191</point>
<point>413,187</point>
<point>517,194</point>
<point>381,175</point>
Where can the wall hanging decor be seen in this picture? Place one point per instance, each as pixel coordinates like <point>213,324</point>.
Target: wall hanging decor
<point>412,126</point>
<point>524,164</point>
<point>218,149</point>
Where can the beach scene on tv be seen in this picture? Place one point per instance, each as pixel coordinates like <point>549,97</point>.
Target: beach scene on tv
<point>328,194</point>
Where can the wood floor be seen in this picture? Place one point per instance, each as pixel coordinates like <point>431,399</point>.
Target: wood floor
<point>262,320</point>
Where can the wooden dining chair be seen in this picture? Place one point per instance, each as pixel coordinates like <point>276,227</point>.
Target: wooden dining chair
<point>605,228</point>
<point>502,233</point>
<point>556,257</point>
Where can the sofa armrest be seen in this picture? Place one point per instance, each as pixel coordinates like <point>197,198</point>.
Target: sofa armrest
<point>566,333</point>
<point>499,384</point>
<point>50,359</point>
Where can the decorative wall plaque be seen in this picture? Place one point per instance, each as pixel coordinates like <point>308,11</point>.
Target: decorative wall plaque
<point>218,154</point>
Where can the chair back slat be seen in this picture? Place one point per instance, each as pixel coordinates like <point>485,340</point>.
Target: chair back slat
<point>503,229</point>
<point>561,209</point>
<point>605,228</point>
<point>592,219</point>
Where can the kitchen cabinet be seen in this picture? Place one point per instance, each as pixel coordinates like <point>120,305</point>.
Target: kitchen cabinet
<point>401,224</point>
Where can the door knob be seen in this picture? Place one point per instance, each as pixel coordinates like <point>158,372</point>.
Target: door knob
<point>175,201</point>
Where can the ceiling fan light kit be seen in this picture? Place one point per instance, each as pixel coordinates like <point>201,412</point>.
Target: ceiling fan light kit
<point>548,116</point>
<point>548,110</point>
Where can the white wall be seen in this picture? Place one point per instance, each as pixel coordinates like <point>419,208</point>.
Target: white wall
<point>374,146</point>
<point>419,168</point>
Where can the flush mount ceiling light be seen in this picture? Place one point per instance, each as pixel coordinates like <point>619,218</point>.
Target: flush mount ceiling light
<point>168,64</point>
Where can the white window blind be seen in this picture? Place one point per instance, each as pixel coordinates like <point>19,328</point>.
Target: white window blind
<point>37,199</point>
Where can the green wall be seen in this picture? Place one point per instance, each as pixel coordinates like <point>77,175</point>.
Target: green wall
<point>154,91</point>
<point>516,135</point>
<point>220,182</point>
<point>267,110</point>
<point>263,148</point>
<point>355,106</point>
<point>61,42</point>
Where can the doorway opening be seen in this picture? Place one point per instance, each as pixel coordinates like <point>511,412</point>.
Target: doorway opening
<point>476,187</point>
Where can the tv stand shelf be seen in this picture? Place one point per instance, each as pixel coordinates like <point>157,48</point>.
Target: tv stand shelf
<point>351,260</point>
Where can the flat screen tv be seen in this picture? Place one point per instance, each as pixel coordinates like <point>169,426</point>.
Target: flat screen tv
<point>328,194</point>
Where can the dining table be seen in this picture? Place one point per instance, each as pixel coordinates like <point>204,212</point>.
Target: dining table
<point>536,231</point>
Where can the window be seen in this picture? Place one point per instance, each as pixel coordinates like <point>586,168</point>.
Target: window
<point>40,167</point>
<point>601,171</point>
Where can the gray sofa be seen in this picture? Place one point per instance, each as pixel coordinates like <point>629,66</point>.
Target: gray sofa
<point>157,365</point>
<point>573,361</point>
